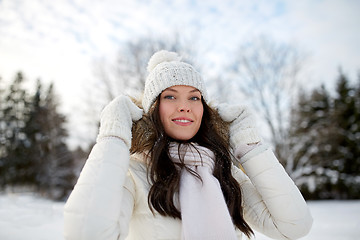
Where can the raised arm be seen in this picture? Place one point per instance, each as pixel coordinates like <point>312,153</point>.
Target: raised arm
<point>273,205</point>
<point>94,208</point>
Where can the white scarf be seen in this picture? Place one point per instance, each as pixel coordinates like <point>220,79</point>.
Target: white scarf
<point>204,212</point>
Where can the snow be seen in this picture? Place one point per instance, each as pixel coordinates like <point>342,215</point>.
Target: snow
<point>26,216</point>
<point>333,220</point>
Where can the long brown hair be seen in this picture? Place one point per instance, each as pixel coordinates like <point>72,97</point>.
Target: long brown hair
<point>165,176</point>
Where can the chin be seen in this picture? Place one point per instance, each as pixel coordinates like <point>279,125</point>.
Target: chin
<point>182,138</point>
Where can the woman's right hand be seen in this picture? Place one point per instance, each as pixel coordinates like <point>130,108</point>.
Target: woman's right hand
<point>117,118</point>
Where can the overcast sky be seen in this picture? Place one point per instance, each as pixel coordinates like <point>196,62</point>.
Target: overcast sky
<point>58,40</point>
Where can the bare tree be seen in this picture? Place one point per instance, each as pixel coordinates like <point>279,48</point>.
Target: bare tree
<point>128,72</point>
<point>266,73</point>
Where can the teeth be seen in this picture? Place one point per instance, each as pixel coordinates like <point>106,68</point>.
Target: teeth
<point>183,121</point>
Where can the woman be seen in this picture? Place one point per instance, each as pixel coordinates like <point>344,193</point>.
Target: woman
<point>179,181</point>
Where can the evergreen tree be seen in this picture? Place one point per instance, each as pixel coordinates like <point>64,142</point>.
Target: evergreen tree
<point>346,115</point>
<point>13,161</point>
<point>36,135</point>
<point>310,132</point>
<point>61,168</point>
<point>325,135</point>
<point>2,122</point>
<point>52,168</point>
<point>33,150</point>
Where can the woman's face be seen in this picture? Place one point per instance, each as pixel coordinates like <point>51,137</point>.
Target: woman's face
<point>181,111</point>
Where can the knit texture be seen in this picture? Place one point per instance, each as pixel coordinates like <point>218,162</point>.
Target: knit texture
<point>116,119</point>
<point>243,149</point>
<point>242,124</point>
<point>165,70</point>
<point>204,212</point>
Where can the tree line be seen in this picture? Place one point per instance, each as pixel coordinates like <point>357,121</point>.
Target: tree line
<point>33,149</point>
<point>315,133</point>
<point>325,138</point>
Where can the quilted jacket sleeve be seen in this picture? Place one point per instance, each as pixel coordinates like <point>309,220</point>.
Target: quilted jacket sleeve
<point>273,205</point>
<point>101,203</point>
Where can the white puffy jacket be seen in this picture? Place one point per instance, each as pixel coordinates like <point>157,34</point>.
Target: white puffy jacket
<point>110,199</point>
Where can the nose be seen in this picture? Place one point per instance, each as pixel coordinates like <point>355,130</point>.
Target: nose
<point>183,107</point>
<point>184,110</point>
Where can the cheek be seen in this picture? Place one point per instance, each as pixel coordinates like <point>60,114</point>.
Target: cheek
<point>200,112</point>
<point>163,112</point>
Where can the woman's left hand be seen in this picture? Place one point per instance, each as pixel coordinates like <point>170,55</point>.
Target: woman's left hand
<point>243,129</point>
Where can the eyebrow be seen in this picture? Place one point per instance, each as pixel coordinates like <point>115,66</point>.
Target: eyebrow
<point>173,90</point>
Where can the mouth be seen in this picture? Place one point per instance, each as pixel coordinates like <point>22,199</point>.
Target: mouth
<point>182,121</point>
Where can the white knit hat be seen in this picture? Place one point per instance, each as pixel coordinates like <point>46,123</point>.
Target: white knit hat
<point>165,70</point>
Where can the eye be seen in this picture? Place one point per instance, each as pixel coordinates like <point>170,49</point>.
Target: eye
<point>169,97</point>
<point>195,98</point>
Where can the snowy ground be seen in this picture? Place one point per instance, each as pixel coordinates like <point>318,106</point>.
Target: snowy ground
<point>26,217</point>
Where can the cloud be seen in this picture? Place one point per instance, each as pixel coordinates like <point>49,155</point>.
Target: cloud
<point>328,30</point>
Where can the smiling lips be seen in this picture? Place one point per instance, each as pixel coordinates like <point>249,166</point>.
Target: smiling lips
<point>182,121</point>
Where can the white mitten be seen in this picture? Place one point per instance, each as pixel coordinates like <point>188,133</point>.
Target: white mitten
<point>242,124</point>
<point>117,118</point>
